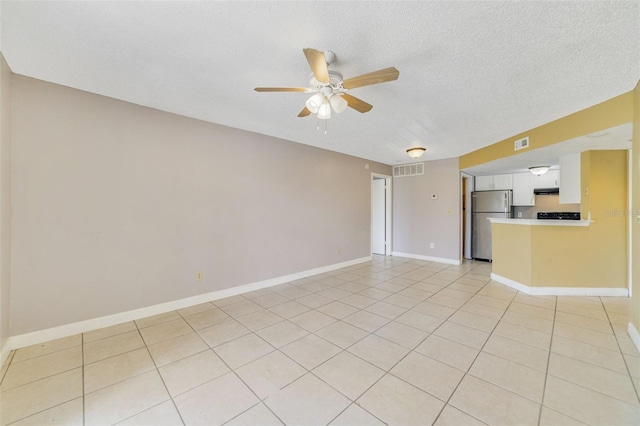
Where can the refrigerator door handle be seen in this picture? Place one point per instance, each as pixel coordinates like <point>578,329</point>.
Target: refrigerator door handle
<point>505,202</point>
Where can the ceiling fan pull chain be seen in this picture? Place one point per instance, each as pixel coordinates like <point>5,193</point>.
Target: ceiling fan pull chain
<point>325,126</point>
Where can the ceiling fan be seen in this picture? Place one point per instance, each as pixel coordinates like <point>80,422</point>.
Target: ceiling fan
<point>330,90</point>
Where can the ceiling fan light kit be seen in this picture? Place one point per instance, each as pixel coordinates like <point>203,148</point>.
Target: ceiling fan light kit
<point>338,103</point>
<point>330,89</point>
<point>314,102</point>
<point>416,152</point>
<point>324,112</point>
<point>539,170</point>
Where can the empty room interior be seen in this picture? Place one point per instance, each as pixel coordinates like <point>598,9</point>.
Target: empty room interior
<point>297,213</point>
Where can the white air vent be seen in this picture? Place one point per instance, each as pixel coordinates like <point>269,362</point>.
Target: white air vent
<point>521,143</point>
<point>414,169</point>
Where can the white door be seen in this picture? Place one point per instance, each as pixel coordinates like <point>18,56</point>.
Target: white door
<point>466,211</point>
<point>378,206</point>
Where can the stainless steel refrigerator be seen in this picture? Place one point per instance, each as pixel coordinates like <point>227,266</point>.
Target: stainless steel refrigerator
<point>486,204</point>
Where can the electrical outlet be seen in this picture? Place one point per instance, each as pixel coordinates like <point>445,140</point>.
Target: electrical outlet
<point>432,245</point>
<point>198,276</point>
<point>338,250</point>
<point>519,214</point>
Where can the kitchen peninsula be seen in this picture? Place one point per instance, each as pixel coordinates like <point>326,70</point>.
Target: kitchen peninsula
<point>581,257</point>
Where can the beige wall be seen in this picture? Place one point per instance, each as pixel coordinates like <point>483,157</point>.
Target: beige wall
<point>419,220</point>
<point>118,206</point>
<point>5,198</point>
<point>635,208</point>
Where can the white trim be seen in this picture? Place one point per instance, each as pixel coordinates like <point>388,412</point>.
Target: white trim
<point>4,352</point>
<point>387,211</point>
<point>429,258</point>
<point>635,336</point>
<point>466,243</point>
<point>40,336</point>
<point>540,222</point>
<point>562,291</point>
<point>630,223</point>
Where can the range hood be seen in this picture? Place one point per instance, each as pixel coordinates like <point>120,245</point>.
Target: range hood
<point>546,191</point>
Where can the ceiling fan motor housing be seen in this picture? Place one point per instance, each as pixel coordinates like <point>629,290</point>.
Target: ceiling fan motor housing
<point>335,80</point>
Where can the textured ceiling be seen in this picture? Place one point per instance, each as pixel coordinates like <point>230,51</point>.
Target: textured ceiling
<point>471,73</point>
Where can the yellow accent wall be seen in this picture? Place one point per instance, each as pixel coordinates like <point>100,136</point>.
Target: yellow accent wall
<point>610,113</point>
<point>511,252</point>
<point>556,256</point>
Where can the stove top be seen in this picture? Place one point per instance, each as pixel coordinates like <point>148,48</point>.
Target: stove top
<point>559,215</point>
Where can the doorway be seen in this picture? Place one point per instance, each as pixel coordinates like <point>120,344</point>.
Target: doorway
<point>465,222</point>
<point>380,214</point>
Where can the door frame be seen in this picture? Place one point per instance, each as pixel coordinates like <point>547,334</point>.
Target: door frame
<point>388,212</point>
<point>465,216</point>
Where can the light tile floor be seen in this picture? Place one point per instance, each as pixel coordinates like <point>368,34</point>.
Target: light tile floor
<point>392,341</point>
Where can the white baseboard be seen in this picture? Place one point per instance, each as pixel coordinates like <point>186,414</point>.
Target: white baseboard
<point>562,291</point>
<point>429,258</point>
<point>40,336</point>
<point>634,334</point>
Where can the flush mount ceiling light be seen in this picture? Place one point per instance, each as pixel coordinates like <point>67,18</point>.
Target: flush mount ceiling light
<point>539,170</point>
<point>416,152</point>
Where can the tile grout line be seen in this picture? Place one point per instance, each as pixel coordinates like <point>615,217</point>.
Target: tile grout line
<point>624,359</point>
<point>260,401</point>
<point>388,372</point>
<point>9,361</point>
<point>341,351</point>
<point>159,375</point>
<point>446,403</point>
<point>580,385</point>
<point>546,373</point>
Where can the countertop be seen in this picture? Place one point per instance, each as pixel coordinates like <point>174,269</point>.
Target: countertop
<point>541,222</point>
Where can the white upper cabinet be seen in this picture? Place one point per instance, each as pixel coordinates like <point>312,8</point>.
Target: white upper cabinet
<point>502,182</point>
<point>484,183</point>
<point>570,179</point>
<point>551,179</point>
<point>523,189</point>
<point>489,183</point>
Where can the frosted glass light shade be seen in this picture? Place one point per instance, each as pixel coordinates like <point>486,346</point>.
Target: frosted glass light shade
<point>314,102</point>
<point>539,170</point>
<point>338,103</point>
<point>324,112</point>
<point>416,152</point>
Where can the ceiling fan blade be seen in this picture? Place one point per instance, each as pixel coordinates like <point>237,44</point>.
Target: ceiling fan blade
<point>318,64</point>
<point>305,111</point>
<point>376,77</point>
<point>279,89</point>
<point>357,104</point>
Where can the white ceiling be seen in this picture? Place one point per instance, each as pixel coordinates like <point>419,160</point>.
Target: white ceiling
<point>471,73</point>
